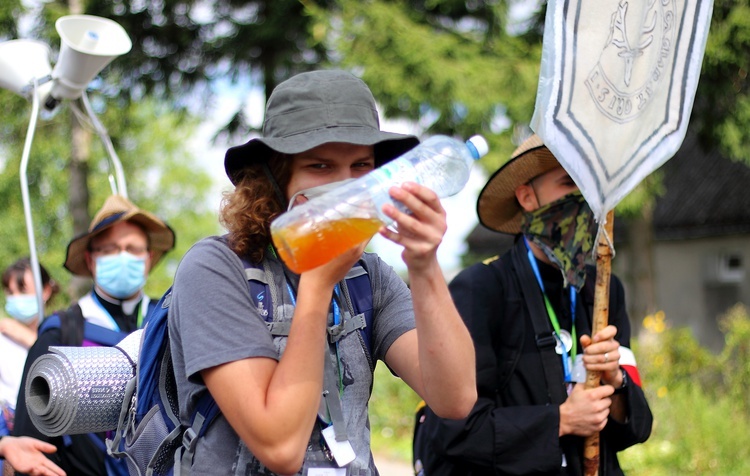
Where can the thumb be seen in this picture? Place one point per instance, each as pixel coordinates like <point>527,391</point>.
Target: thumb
<point>578,388</point>
<point>585,341</point>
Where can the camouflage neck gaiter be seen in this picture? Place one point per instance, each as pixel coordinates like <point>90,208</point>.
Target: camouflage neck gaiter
<point>564,230</point>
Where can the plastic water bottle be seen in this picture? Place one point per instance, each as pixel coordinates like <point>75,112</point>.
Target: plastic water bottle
<point>324,227</point>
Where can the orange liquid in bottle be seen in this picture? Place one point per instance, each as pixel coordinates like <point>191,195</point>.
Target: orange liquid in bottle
<point>308,245</point>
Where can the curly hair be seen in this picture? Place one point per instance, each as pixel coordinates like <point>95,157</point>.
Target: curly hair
<point>247,211</point>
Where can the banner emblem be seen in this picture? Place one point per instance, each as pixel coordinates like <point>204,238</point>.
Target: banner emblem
<point>616,87</point>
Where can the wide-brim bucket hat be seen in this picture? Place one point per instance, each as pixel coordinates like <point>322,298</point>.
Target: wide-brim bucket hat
<point>314,108</point>
<point>117,209</point>
<point>497,206</point>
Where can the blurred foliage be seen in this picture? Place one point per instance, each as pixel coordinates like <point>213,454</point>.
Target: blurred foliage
<point>721,113</point>
<point>699,401</point>
<point>734,360</point>
<point>392,408</point>
<point>162,174</point>
<point>644,194</point>
<point>451,66</point>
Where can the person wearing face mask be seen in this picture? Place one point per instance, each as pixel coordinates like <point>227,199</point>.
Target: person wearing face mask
<point>18,331</point>
<point>123,243</point>
<point>530,314</point>
<point>21,303</point>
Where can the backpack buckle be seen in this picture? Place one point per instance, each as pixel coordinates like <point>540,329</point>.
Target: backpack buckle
<point>546,340</point>
<point>189,439</point>
<point>336,332</point>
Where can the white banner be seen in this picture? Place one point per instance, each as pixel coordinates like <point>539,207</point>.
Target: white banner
<point>616,87</point>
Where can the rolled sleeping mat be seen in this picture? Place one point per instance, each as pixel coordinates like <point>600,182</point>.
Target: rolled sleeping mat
<point>75,390</point>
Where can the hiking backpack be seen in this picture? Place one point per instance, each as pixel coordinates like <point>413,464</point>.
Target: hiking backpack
<point>76,330</point>
<point>150,435</point>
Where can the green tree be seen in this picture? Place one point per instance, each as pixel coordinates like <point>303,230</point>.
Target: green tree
<point>162,176</point>
<point>179,49</point>
<point>721,114</point>
<point>451,65</point>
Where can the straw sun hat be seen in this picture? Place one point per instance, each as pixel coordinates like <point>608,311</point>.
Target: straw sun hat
<point>314,108</point>
<point>497,206</point>
<point>115,210</point>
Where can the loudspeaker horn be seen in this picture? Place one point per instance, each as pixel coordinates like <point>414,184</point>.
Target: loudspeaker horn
<point>89,43</point>
<point>22,62</point>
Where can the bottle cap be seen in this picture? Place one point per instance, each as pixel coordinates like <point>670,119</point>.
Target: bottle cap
<point>478,146</point>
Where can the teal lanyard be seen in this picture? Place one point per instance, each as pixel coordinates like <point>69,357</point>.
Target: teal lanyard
<point>336,317</point>
<point>336,320</point>
<point>553,316</point>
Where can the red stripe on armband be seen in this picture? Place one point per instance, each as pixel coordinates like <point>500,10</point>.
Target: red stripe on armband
<point>627,362</point>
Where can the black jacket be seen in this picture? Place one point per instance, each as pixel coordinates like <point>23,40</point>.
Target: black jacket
<point>513,428</point>
<point>83,454</point>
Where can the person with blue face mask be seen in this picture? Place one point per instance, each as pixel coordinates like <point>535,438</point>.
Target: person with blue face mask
<point>18,332</point>
<point>21,305</point>
<point>119,249</point>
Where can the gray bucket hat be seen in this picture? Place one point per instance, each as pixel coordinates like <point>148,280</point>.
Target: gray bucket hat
<point>314,108</point>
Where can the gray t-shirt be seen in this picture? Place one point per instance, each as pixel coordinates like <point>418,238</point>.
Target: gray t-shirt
<point>213,320</point>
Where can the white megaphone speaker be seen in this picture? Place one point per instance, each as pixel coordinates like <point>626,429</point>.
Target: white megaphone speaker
<point>89,43</point>
<point>22,62</point>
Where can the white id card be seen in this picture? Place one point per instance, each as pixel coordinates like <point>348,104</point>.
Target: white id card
<point>326,472</point>
<point>342,451</point>
<point>579,371</point>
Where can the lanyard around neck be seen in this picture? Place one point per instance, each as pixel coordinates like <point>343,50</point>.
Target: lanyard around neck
<point>336,320</point>
<point>551,312</point>
<point>139,312</point>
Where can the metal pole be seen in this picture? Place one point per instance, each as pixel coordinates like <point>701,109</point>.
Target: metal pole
<point>35,271</point>
<point>120,186</point>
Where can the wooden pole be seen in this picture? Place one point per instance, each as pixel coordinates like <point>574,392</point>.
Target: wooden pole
<point>600,321</point>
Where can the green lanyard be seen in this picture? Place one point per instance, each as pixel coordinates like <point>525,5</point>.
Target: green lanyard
<point>556,324</point>
<point>139,319</point>
<point>553,316</point>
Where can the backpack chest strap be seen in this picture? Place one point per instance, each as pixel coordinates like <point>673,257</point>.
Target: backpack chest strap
<point>335,332</point>
<point>348,324</point>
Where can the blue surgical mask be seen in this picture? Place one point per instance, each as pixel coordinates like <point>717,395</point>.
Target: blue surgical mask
<point>22,307</point>
<point>120,275</point>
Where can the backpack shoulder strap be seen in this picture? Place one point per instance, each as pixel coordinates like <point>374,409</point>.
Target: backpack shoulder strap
<point>511,348</point>
<point>72,326</point>
<point>101,335</point>
<point>545,339</point>
<point>75,329</point>
<point>70,322</point>
<point>359,288</point>
<point>265,295</point>
<point>356,291</point>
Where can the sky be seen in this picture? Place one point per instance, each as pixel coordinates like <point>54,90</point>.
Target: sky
<point>460,208</point>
